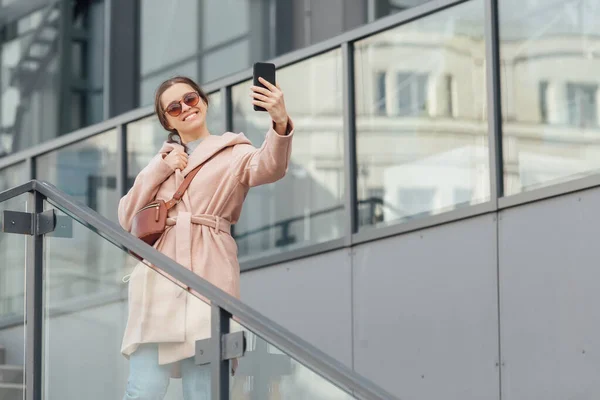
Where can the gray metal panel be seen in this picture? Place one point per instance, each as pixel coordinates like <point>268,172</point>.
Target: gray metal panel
<point>549,280</point>
<point>310,297</point>
<point>425,312</point>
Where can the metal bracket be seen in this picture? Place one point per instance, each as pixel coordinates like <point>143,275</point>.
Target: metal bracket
<point>25,223</point>
<point>64,227</point>
<point>234,346</point>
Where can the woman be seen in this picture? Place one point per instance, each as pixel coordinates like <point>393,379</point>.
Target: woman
<point>165,320</point>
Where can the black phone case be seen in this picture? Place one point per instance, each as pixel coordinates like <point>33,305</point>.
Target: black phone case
<point>266,71</point>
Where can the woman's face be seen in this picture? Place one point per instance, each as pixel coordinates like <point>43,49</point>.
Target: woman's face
<point>191,118</point>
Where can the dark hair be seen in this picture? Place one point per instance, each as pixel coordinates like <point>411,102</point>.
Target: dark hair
<point>158,106</point>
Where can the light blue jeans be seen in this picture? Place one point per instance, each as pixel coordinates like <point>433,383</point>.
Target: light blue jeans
<point>150,381</point>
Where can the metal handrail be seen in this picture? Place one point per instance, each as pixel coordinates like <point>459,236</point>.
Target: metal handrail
<point>297,348</point>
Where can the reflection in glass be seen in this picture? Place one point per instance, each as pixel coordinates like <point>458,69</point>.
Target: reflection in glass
<point>306,206</point>
<point>146,136</point>
<point>550,96</point>
<point>265,372</point>
<point>33,106</point>
<point>209,49</point>
<point>87,171</point>
<point>12,176</point>
<point>422,142</point>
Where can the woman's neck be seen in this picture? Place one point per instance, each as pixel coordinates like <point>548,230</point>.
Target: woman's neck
<point>195,135</point>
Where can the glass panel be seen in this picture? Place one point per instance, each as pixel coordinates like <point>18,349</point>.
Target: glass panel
<point>87,267</point>
<point>265,372</point>
<point>146,136</point>
<point>30,92</point>
<point>12,176</point>
<point>306,206</point>
<point>551,129</point>
<point>86,170</point>
<point>12,304</point>
<point>150,82</point>
<point>162,25</point>
<point>422,142</point>
<point>28,106</point>
<point>87,335</point>
<point>85,339</point>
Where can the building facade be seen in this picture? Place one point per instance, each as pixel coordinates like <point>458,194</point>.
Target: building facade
<point>441,199</point>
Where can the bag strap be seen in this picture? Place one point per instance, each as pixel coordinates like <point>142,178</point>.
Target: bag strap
<point>186,182</point>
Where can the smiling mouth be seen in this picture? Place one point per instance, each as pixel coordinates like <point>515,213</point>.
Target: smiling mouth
<point>191,116</point>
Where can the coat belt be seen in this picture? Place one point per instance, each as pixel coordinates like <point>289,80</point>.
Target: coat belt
<point>183,225</point>
<point>209,220</point>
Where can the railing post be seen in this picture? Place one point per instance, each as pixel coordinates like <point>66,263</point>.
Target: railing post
<point>220,325</point>
<point>34,304</point>
<point>350,159</point>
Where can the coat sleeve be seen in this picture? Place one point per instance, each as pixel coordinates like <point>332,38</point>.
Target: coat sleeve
<point>144,189</point>
<point>267,164</point>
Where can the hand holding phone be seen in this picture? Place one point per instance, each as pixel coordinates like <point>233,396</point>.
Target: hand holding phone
<point>267,96</point>
<point>265,71</point>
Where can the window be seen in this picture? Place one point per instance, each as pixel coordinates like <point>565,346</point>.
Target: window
<point>380,93</point>
<point>543,91</point>
<point>415,201</point>
<point>582,104</point>
<point>412,93</point>
<point>306,206</point>
<point>549,92</point>
<point>432,141</point>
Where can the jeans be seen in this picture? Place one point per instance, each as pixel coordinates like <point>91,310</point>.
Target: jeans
<point>150,381</point>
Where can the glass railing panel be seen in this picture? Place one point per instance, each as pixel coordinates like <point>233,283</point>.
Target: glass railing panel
<point>86,331</point>
<point>83,267</point>
<point>12,303</point>
<point>266,372</point>
<point>12,264</point>
<point>139,336</point>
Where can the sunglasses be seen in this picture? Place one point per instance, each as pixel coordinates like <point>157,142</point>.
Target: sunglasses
<point>174,109</point>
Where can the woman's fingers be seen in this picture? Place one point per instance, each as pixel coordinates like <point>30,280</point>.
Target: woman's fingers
<point>268,84</point>
<point>261,90</point>
<point>262,104</point>
<point>259,97</point>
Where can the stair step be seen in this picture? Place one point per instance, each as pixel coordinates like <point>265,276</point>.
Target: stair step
<point>11,391</point>
<point>11,374</point>
<point>2,355</point>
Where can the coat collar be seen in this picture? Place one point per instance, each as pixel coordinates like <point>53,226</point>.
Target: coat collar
<point>207,148</point>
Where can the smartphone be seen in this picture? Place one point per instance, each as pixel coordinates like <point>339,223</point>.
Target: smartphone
<point>265,71</point>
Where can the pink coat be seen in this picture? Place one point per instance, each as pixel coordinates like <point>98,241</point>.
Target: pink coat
<point>197,236</point>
